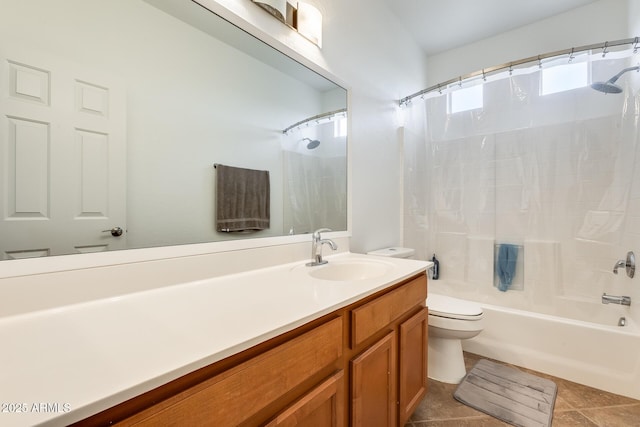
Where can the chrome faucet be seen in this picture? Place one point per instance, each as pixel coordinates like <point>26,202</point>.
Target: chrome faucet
<point>628,264</point>
<point>619,264</point>
<point>614,299</point>
<point>316,247</point>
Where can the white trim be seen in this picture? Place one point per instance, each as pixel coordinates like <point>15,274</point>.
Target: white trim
<point>25,267</point>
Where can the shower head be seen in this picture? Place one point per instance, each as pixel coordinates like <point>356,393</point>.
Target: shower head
<point>610,85</point>
<point>313,143</point>
<point>606,87</point>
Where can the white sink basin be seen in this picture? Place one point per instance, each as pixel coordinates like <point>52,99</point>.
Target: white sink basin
<point>347,271</point>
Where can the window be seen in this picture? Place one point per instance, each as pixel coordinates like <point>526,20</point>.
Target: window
<point>466,99</point>
<point>340,127</point>
<point>564,77</point>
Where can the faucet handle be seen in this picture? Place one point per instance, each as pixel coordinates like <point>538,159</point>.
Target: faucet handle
<point>629,264</point>
<point>316,234</point>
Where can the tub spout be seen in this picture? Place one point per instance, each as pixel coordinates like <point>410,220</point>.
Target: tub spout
<point>614,299</point>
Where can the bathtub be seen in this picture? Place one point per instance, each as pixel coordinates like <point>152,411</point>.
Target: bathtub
<point>600,356</point>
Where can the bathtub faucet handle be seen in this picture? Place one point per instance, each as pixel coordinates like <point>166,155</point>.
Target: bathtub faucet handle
<point>629,264</point>
<point>621,263</point>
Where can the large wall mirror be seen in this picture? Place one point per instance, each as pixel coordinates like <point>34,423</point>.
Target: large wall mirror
<point>115,112</point>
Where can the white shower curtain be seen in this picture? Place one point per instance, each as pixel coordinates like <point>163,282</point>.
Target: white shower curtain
<point>315,192</point>
<point>553,173</point>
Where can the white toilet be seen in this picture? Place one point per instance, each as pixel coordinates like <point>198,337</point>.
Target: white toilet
<point>451,320</point>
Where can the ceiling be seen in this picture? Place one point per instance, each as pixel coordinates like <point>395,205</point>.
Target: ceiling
<point>440,25</point>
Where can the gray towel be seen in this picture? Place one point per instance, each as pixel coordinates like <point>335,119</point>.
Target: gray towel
<point>242,199</point>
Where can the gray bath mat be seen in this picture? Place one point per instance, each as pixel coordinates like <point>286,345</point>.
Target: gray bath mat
<point>508,394</point>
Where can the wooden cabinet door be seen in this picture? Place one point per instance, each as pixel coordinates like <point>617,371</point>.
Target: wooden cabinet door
<point>321,407</point>
<point>373,385</point>
<point>413,364</point>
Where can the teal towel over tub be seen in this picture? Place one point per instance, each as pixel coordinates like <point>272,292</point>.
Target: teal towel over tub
<point>506,265</point>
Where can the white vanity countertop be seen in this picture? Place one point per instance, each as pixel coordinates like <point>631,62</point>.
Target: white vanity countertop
<point>62,365</point>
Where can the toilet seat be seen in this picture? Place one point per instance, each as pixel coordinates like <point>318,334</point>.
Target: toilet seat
<point>453,308</point>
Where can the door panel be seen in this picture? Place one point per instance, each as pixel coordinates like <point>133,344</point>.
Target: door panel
<point>63,145</point>
<point>28,169</point>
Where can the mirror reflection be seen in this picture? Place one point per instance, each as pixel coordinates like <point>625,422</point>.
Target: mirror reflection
<point>116,113</point>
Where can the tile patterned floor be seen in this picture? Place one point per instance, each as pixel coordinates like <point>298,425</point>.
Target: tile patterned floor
<point>576,405</point>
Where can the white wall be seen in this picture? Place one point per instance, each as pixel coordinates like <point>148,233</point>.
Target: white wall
<point>594,23</point>
<point>369,49</point>
<point>634,18</point>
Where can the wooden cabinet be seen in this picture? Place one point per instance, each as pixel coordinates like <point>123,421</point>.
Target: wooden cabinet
<point>236,395</point>
<point>373,385</point>
<point>412,364</point>
<point>380,313</point>
<point>362,365</point>
<point>389,377</point>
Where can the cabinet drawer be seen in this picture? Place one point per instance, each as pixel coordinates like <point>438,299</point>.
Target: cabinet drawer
<point>375,315</point>
<point>235,395</point>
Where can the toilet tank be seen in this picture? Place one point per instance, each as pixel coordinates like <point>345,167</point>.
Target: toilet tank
<point>394,252</point>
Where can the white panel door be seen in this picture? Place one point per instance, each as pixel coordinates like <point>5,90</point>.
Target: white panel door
<point>63,151</point>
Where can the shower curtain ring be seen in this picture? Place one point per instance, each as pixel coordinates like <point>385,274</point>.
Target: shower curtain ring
<point>604,49</point>
<point>571,55</point>
<point>539,62</point>
<point>439,89</point>
<point>510,69</point>
<point>484,75</point>
<point>460,81</point>
<point>635,45</point>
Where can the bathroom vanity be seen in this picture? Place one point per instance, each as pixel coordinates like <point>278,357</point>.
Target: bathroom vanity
<point>274,346</point>
<point>364,363</point>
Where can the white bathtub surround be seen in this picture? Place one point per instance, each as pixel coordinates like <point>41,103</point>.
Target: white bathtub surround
<point>473,260</point>
<point>95,354</point>
<point>604,357</point>
<point>480,260</point>
<point>452,253</point>
<point>542,270</point>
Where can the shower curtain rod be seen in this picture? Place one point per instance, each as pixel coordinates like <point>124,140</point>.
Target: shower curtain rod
<point>509,65</point>
<point>314,118</point>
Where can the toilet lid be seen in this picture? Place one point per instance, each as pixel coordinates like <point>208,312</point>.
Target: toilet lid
<point>453,308</point>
